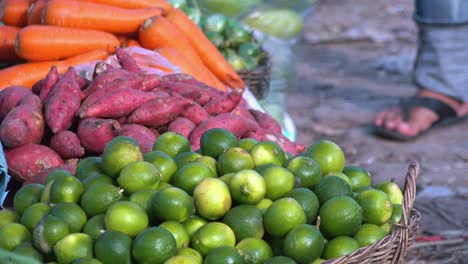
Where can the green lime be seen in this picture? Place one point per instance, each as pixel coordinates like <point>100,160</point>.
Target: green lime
<point>224,254</point>
<point>113,247</point>
<point>369,234</point>
<point>72,247</point>
<point>97,178</point>
<point>88,166</point>
<point>212,198</point>
<point>181,260</point>
<point>226,178</point>
<point>247,143</point>
<point>340,216</point>
<point>304,243</point>
<point>397,213</point>
<point>188,176</point>
<point>26,249</point>
<point>66,189</point>
<point>358,176</point>
<point>190,252</point>
<point>306,170</point>
<point>233,160</point>
<point>247,187</point>
<point>72,214</point>
<point>328,155</point>
<point>264,204</point>
<point>192,224</point>
<point>376,206</point>
<point>99,197</point>
<point>341,175</point>
<point>210,162</point>
<point>118,153</point>
<point>12,235</point>
<point>27,195</point>
<point>143,199</point>
<point>254,250</point>
<point>339,247</point>
<point>267,152</point>
<point>126,217</point>
<point>163,162</point>
<point>178,231</point>
<point>154,245</point>
<point>48,232</point>
<point>215,141</point>
<point>308,201</point>
<point>280,260</point>
<point>392,190</point>
<point>185,158</point>
<point>279,181</point>
<point>33,214</point>
<point>246,221</point>
<point>8,216</point>
<point>95,226</point>
<point>282,216</point>
<point>86,260</point>
<point>172,203</point>
<point>172,144</point>
<point>138,175</point>
<point>212,235</point>
<point>330,187</point>
<point>56,174</point>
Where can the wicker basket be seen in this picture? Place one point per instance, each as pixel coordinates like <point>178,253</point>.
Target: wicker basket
<point>392,248</point>
<point>258,80</point>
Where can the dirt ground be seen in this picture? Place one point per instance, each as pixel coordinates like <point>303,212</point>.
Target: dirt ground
<point>354,59</point>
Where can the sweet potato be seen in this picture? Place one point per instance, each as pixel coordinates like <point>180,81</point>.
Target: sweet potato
<point>67,145</point>
<point>95,133</point>
<point>116,103</point>
<point>195,113</point>
<point>41,176</point>
<point>187,90</point>
<point>26,161</point>
<point>83,83</point>
<point>126,61</point>
<point>266,121</point>
<point>10,97</point>
<point>150,82</point>
<point>244,112</point>
<point>122,120</point>
<point>44,86</point>
<point>258,135</point>
<point>286,144</point>
<point>107,75</point>
<point>159,111</point>
<point>62,103</point>
<point>224,104</point>
<point>182,126</point>
<point>32,99</point>
<point>23,125</point>
<point>229,121</point>
<point>143,135</point>
<point>188,79</point>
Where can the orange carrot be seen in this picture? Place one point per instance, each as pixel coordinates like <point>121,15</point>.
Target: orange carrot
<point>132,43</point>
<point>96,16</point>
<point>199,72</point>
<point>159,32</point>
<point>135,4</point>
<point>15,12</point>
<point>29,73</point>
<point>35,12</point>
<point>45,43</point>
<point>7,44</point>
<point>208,52</point>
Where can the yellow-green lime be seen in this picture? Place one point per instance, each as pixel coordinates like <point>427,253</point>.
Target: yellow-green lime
<point>359,176</point>
<point>279,181</point>
<point>88,166</point>
<point>306,171</point>
<point>66,189</point>
<point>72,214</point>
<point>282,216</point>
<point>224,254</point>
<point>185,158</point>
<point>387,228</point>
<point>246,143</point>
<point>8,216</point>
<point>172,203</point>
<point>246,221</point>
<point>263,167</point>
<point>340,216</point>
<point>304,243</point>
<point>138,175</point>
<point>97,178</point>
<point>154,245</point>
<point>99,197</point>
<point>56,174</point>
<point>113,247</point>
<point>172,144</point>
<point>49,230</point>
<point>126,217</point>
<point>118,153</point>
<point>264,204</point>
<point>27,195</point>
<point>339,247</point>
<point>341,175</point>
<point>226,178</point>
<point>360,189</point>
<point>233,160</point>
<point>328,155</point>
<point>397,213</point>
<point>215,141</point>
<point>369,234</point>
<point>267,152</point>
<point>211,162</point>
<point>190,252</point>
<point>330,187</point>
<point>247,187</point>
<point>143,199</point>
<point>12,235</point>
<point>212,198</point>
<point>163,185</point>
<point>308,201</point>
<point>178,231</point>
<point>280,260</point>
<point>317,261</point>
<point>181,260</point>
<point>72,247</point>
<point>392,190</point>
<point>192,224</point>
<point>163,162</point>
<point>33,214</point>
<point>254,250</point>
<point>26,249</point>
<point>211,236</point>
<point>86,260</point>
<point>376,206</point>
<point>188,176</point>
<point>95,226</point>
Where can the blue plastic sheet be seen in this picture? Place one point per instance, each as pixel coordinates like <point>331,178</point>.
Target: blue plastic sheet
<point>4,177</point>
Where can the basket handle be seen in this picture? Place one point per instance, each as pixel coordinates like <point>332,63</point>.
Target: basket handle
<point>409,194</point>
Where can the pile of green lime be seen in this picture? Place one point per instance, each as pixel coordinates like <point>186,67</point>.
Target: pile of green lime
<point>231,201</point>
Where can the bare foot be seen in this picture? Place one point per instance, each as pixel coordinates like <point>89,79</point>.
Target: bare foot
<point>419,118</point>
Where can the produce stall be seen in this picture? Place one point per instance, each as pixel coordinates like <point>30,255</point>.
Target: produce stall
<point>140,132</point>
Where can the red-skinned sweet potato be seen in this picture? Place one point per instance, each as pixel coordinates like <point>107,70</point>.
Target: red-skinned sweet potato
<point>23,125</point>
<point>107,75</point>
<point>159,111</point>
<point>67,145</point>
<point>229,121</point>
<point>62,103</point>
<point>188,79</point>
<point>244,112</point>
<point>258,135</point>
<point>27,161</point>
<point>47,83</point>
<point>224,104</point>
<point>195,113</point>
<point>41,176</point>
<point>10,97</point>
<point>95,133</point>
<point>182,126</point>
<point>150,82</point>
<point>266,121</point>
<point>32,99</point>
<point>126,61</point>
<point>186,90</point>
<point>143,135</point>
<point>116,103</point>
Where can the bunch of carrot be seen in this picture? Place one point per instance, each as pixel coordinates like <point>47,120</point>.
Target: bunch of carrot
<point>41,33</point>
